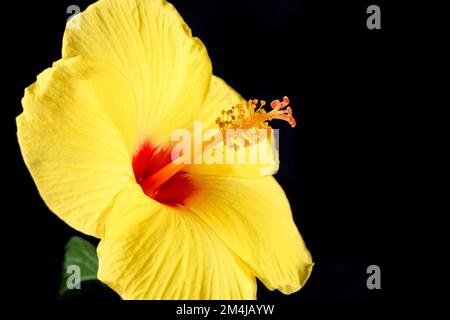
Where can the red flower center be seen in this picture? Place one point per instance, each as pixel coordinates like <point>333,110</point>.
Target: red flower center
<point>146,162</point>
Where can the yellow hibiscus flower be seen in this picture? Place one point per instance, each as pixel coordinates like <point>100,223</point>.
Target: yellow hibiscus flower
<point>95,134</point>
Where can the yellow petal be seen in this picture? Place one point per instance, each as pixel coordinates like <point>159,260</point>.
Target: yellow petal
<point>151,251</point>
<point>253,218</point>
<point>222,97</point>
<point>150,44</point>
<point>76,135</point>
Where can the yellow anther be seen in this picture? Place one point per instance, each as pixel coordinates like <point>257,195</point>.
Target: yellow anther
<point>254,116</point>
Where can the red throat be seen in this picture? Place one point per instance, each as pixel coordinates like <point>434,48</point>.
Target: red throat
<point>147,161</point>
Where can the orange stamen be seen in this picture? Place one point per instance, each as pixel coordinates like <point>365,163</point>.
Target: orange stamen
<point>241,116</point>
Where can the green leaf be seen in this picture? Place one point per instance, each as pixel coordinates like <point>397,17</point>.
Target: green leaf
<point>82,254</point>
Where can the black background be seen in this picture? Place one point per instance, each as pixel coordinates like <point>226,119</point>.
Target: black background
<point>340,78</point>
